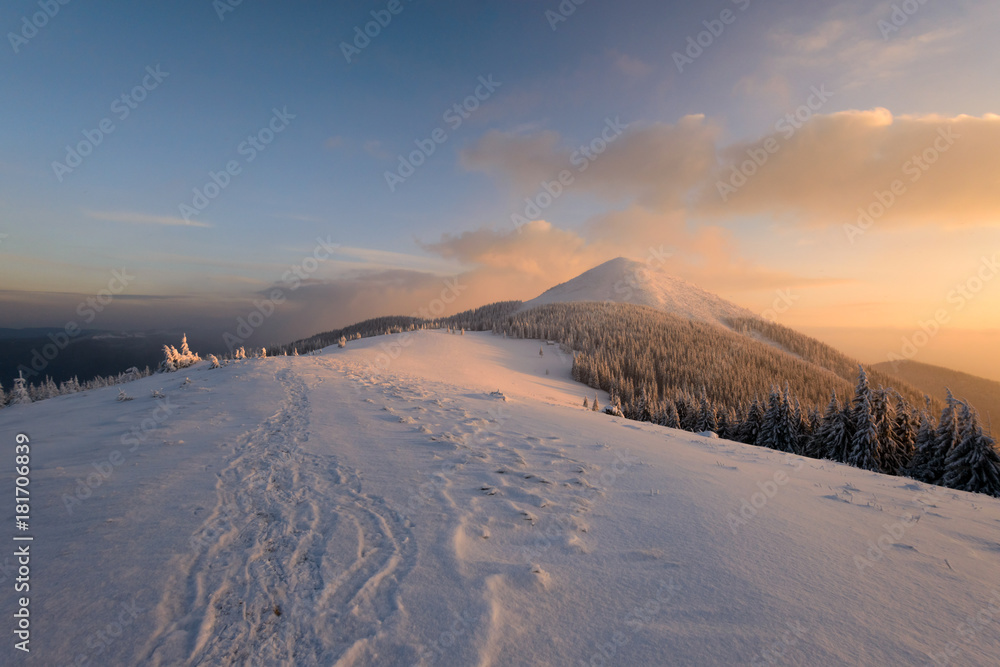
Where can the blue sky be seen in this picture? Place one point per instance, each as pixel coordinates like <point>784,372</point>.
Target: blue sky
<point>323,176</point>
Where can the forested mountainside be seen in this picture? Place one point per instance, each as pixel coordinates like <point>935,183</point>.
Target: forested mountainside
<point>632,348</point>
<point>757,382</point>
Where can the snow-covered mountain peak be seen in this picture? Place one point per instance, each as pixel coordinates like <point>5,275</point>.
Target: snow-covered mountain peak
<point>623,280</point>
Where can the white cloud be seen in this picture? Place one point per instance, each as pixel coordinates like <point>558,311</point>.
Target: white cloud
<point>132,217</point>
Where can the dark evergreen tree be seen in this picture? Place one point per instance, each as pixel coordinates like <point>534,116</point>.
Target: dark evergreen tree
<point>924,446</point>
<point>903,437</point>
<point>841,436</point>
<point>670,418</point>
<point>689,413</point>
<point>818,447</point>
<point>749,429</point>
<point>776,431</point>
<point>932,465</point>
<point>889,454</point>
<point>864,441</point>
<point>725,420</point>
<point>973,464</point>
<point>815,419</point>
<point>799,424</point>
<point>645,409</point>
<point>707,420</point>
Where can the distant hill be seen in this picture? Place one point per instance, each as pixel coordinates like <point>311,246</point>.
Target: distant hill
<point>627,281</point>
<point>983,394</point>
<point>677,337</point>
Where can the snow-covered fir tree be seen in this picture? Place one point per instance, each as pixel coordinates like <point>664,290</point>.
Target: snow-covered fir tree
<point>724,419</point>
<point>973,464</point>
<point>707,420</point>
<point>818,447</point>
<point>19,394</point>
<point>749,430</point>
<point>930,464</point>
<point>615,409</point>
<point>776,431</point>
<point>670,418</point>
<point>864,441</point>
<point>904,437</point>
<point>891,419</point>
<point>174,359</point>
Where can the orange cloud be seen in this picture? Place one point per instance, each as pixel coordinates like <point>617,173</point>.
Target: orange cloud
<point>906,170</point>
<point>655,165</point>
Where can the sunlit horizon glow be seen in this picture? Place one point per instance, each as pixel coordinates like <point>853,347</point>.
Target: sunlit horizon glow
<point>807,156</point>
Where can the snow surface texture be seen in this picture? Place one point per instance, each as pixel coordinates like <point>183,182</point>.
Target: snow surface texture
<point>375,505</point>
<point>628,281</point>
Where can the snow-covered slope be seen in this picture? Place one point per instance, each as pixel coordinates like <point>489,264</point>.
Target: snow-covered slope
<point>624,280</point>
<point>376,505</point>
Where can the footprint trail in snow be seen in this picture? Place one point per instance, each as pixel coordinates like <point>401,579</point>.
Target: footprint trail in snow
<point>295,565</point>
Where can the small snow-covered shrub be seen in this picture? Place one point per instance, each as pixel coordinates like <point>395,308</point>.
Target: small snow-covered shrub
<point>122,396</point>
<point>174,360</point>
<point>213,360</point>
<point>19,394</point>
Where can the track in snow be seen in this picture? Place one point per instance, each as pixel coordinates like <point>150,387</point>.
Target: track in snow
<point>295,565</point>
